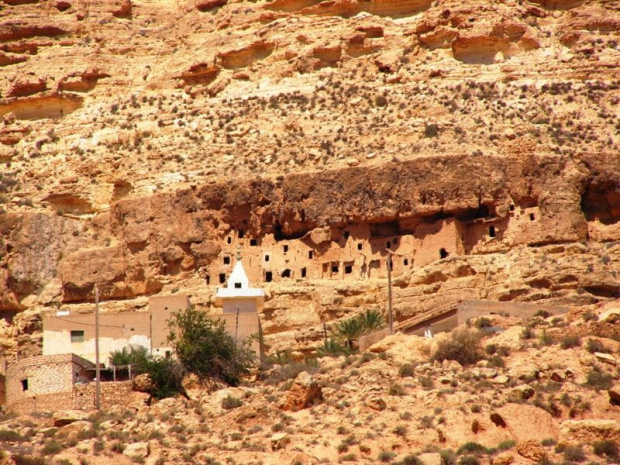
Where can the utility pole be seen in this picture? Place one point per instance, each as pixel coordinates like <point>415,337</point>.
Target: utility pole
<point>97,369</point>
<point>389,276</point>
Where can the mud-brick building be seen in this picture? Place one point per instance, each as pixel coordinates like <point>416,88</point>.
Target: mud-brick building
<point>63,334</point>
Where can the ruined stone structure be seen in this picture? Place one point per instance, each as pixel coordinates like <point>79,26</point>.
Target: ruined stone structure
<point>358,251</point>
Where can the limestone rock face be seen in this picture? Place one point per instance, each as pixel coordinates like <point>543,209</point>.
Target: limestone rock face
<point>137,449</point>
<point>304,392</point>
<point>588,431</point>
<point>142,383</point>
<point>531,450</point>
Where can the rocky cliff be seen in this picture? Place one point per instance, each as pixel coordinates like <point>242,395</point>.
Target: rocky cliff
<point>137,136</point>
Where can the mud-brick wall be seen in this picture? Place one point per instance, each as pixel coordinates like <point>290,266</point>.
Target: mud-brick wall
<point>112,393</point>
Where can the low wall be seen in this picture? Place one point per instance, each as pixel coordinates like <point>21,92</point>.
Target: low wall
<point>41,403</point>
<point>365,341</point>
<point>112,393</point>
<point>478,308</point>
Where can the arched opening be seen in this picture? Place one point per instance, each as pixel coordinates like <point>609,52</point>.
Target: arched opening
<point>229,240</point>
<point>532,217</point>
<point>491,231</point>
<point>335,268</point>
<point>222,278</point>
<point>443,253</point>
<point>286,273</point>
<point>268,276</point>
<point>285,248</point>
<point>348,269</point>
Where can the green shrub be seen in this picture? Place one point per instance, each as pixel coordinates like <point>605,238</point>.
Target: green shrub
<point>471,448</point>
<point>598,380</point>
<point>409,460</point>
<point>574,454</point>
<point>407,369</point>
<point>396,390</point>
<point>400,430</point>
<point>606,448</point>
<point>496,362</point>
<point>527,333</point>
<point>545,339</point>
<point>589,316</point>
<point>386,456</point>
<point>596,346</point>
<point>448,456</point>
<point>542,314</point>
<point>462,346</point>
<point>204,347</point>
<point>7,435</point>
<point>570,341</point>
<point>230,402</point>
<point>483,322</point>
<point>51,448</point>
<point>166,374</point>
<point>469,460</point>
<point>507,444</point>
<point>20,459</point>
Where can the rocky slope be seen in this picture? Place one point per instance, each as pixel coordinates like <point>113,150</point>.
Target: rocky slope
<point>137,135</point>
<point>542,395</point>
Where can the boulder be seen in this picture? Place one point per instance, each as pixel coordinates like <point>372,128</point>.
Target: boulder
<point>522,392</point>
<point>376,403</point>
<point>526,422</point>
<point>137,450</point>
<point>532,450</point>
<point>589,431</point>
<point>505,458</point>
<point>73,430</point>
<point>66,417</point>
<point>605,358</point>
<point>614,394</point>
<point>279,441</point>
<point>142,383</point>
<point>304,392</point>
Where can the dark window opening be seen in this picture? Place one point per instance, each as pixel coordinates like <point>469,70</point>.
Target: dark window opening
<point>77,336</point>
<point>208,279</point>
<point>285,248</point>
<point>266,258</point>
<point>286,273</point>
<point>222,278</point>
<point>389,244</point>
<point>310,254</point>
<point>241,233</point>
<point>443,253</point>
<point>24,384</point>
<point>229,240</point>
<point>226,260</point>
<point>168,354</point>
<point>334,268</point>
<point>491,231</point>
<point>346,234</point>
<point>406,262</point>
<point>348,269</point>
<point>268,276</point>
<point>237,285</point>
<point>303,272</point>
<point>360,246</point>
<point>511,207</point>
<point>253,242</point>
<point>532,217</point>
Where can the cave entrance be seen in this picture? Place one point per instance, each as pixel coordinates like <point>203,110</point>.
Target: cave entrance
<point>286,273</point>
<point>268,276</point>
<point>491,231</point>
<point>443,253</point>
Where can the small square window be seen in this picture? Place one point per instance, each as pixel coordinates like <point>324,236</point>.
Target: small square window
<point>266,258</point>
<point>348,269</point>
<point>226,260</point>
<point>237,285</point>
<point>253,242</point>
<point>360,246</point>
<point>285,248</point>
<point>77,336</point>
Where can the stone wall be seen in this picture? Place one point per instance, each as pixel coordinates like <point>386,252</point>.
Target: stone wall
<point>478,308</point>
<point>43,382</point>
<point>112,393</point>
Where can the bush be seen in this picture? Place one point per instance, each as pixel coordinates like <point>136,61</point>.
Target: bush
<point>469,460</point>
<point>570,341</point>
<point>166,375</point>
<point>598,380</point>
<point>574,454</point>
<point>471,448</point>
<point>230,402</point>
<point>205,348</point>
<point>606,448</point>
<point>496,362</point>
<point>28,460</point>
<point>51,448</point>
<point>7,435</point>
<point>386,456</point>
<point>483,322</point>
<point>137,356</point>
<point>507,444</point>
<point>396,390</point>
<point>409,460</point>
<point>462,346</point>
<point>596,346</point>
<point>406,369</point>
